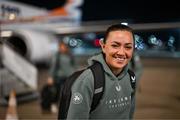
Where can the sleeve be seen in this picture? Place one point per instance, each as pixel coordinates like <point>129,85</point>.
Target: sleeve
<point>53,65</point>
<point>81,99</point>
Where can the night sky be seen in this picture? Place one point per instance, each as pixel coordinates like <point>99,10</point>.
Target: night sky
<point>134,10</point>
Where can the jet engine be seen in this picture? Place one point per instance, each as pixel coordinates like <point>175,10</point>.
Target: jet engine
<point>36,46</point>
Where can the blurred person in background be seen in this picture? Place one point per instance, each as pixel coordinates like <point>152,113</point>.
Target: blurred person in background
<point>62,65</point>
<point>136,66</point>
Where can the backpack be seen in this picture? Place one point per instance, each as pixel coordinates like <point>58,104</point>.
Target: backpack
<point>99,84</point>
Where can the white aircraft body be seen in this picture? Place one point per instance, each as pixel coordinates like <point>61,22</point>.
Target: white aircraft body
<point>37,38</point>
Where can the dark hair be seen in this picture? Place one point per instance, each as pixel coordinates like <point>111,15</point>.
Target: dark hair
<point>117,27</point>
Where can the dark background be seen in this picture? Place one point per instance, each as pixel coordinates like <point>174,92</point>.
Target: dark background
<point>142,11</point>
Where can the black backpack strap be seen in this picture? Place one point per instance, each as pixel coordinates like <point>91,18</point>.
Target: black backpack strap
<point>132,79</point>
<point>99,84</point>
<point>65,95</point>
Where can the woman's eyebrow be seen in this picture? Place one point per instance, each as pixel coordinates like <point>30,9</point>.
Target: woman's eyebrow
<point>129,43</point>
<point>115,42</point>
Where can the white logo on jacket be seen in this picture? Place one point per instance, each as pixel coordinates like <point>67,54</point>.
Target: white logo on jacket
<point>118,88</point>
<point>120,102</point>
<point>77,98</point>
<point>133,79</point>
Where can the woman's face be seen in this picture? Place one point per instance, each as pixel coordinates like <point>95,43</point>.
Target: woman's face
<point>118,49</point>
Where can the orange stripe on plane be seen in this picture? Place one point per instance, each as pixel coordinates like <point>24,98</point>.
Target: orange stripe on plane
<point>58,11</point>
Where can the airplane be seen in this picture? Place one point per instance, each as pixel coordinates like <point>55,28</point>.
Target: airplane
<point>17,12</point>
<point>38,40</point>
<point>27,27</point>
<point>26,39</point>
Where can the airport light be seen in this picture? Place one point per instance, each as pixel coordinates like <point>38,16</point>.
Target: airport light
<point>12,16</point>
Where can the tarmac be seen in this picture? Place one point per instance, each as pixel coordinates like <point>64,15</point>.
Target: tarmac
<point>157,96</point>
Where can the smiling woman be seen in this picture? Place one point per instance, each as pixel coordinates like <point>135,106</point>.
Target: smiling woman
<point>118,97</point>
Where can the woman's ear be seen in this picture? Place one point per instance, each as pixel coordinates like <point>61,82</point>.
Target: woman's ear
<point>101,42</point>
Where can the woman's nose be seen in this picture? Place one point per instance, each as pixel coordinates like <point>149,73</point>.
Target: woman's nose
<point>121,51</point>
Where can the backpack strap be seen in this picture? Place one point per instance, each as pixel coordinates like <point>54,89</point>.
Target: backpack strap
<point>132,79</point>
<point>65,95</point>
<point>99,84</point>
